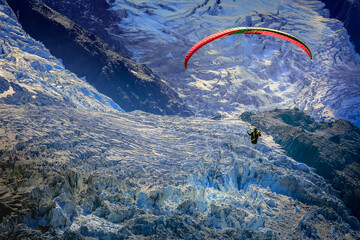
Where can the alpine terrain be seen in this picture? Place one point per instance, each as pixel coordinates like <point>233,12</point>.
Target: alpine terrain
<point>240,72</point>
<point>105,135</point>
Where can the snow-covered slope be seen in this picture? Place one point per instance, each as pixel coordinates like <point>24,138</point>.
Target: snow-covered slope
<point>137,175</point>
<point>246,72</point>
<point>29,74</point>
<point>70,171</point>
<point>131,85</point>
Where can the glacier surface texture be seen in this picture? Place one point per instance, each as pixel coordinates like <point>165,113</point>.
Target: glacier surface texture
<point>75,165</point>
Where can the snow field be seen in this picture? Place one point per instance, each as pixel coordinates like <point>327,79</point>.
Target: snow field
<point>242,73</point>
<point>120,180</point>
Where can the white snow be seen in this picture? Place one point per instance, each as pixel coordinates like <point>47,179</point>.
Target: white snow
<point>174,173</point>
<point>9,92</point>
<point>257,72</point>
<point>157,168</point>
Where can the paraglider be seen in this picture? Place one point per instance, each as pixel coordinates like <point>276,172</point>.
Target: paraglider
<point>246,30</point>
<point>254,135</point>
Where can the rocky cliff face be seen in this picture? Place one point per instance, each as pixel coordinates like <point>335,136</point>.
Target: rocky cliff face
<point>332,148</point>
<point>95,16</point>
<point>348,12</point>
<point>30,75</point>
<point>131,85</point>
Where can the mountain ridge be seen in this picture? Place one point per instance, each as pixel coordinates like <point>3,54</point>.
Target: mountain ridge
<point>74,165</point>
<point>29,74</point>
<point>347,12</point>
<point>130,84</point>
<point>246,73</point>
<point>240,73</point>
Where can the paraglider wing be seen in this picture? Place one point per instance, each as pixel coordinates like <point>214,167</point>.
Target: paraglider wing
<point>246,30</point>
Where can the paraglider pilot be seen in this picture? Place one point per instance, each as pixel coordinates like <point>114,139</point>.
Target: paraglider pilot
<point>254,135</point>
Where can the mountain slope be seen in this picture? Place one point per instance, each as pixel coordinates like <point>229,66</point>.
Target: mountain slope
<point>93,15</point>
<point>332,148</point>
<point>29,74</point>
<point>348,12</point>
<point>102,175</point>
<point>74,166</point>
<point>242,73</point>
<point>130,84</point>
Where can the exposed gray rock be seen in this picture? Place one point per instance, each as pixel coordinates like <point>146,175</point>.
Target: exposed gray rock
<point>332,148</point>
<point>22,231</point>
<point>22,96</point>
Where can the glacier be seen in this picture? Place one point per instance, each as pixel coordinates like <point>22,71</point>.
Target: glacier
<point>242,73</point>
<point>75,166</point>
<point>137,175</point>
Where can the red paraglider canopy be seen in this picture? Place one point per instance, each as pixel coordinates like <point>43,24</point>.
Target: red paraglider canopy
<point>246,30</point>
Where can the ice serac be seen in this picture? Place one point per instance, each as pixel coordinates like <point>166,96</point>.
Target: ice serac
<point>347,11</point>
<point>88,172</point>
<point>93,174</point>
<point>332,148</point>
<point>128,83</point>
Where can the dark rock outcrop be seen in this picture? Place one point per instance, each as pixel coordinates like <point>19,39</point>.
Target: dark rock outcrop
<point>21,96</point>
<point>94,16</point>
<point>132,85</point>
<point>348,12</point>
<point>332,148</point>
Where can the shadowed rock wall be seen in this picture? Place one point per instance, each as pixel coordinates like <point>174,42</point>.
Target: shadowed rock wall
<point>348,12</point>
<point>332,148</point>
<point>133,86</point>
